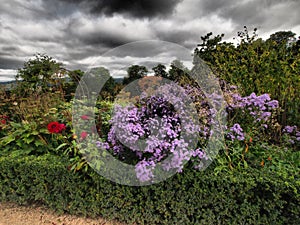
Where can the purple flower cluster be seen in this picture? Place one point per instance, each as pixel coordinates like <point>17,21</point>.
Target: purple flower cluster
<point>293,134</point>
<point>155,129</point>
<point>289,129</point>
<point>259,107</point>
<point>236,132</point>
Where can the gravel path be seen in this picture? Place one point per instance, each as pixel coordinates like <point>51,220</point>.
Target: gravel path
<point>12,214</point>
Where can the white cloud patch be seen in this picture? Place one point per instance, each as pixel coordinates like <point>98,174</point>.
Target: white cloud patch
<point>115,28</point>
<point>7,75</point>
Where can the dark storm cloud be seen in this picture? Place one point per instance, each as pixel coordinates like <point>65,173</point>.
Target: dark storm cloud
<point>268,14</point>
<point>10,63</point>
<point>209,6</point>
<point>109,40</point>
<point>9,50</point>
<point>134,8</point>
<point>176,36</point>
<point>242,8</point>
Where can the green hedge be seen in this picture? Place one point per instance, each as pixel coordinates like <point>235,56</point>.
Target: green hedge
<point>254,196</point>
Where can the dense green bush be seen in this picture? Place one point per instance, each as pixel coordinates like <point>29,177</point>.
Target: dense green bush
<point>262,66</point>
<point>250,196</point>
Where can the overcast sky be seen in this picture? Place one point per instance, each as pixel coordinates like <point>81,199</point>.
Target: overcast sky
<point>76,32</point>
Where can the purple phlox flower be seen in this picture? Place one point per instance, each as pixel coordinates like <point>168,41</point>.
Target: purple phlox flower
<point>144,170</point>
<point>102,145</point>
<point>236,128</point>
<point>265,97</point>
<point>230,136</point>
<point>152,143</point>
<point>289,129</point>
<point>176,143</point>
<point>111,136</point>
<point>134,128</point>
<point>118,149</point>
<point>236,133</point>
<point>199,153</point>
<point>264,116</point>
<point>237,97</point>
<point>171,133</point>
<point>177,160</point>
<point>273,104</point>
<point>232,87</point>
<point>253,95</point>
<point>292,141</point>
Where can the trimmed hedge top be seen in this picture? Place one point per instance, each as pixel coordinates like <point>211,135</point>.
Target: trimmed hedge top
<point>253,196</point>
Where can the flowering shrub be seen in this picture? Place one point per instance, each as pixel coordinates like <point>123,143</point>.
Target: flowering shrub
<point>152,131</point>
<point>260,108</point>
<point>149,131</point>
<point>292,134</point>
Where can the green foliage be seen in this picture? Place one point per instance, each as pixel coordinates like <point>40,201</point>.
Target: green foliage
<point>25,139</point>
<point>26,131</point>
<point>103,115</point>
<point>70,86</point>
<point>40,74</point>
<point>258,66</point>
<point>252,196</point>
<point>160,70</point>
<point>281,36</point>
<point>253,153</point>
<point>178,72</point>
<point>135,72</point>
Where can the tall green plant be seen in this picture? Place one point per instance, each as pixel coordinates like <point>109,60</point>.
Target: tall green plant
<point>39,74</point>
<point>261,66</point>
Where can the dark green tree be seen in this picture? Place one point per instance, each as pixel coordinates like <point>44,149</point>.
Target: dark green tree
<point>179,73</point>
<point>71,85</point>
<point>101,75</point>
<point>281,37</point>
<point>160,70</point>
<point>39,74</point>
<point>135,72</point>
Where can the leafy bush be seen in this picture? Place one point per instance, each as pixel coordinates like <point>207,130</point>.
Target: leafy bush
<point>258,66</point>
<point>251,196</point>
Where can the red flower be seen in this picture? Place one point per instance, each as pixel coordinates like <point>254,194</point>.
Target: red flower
<point>83,134</point>
<point>85,117</point>
<point>3,122</point>
<point>56,127</point>
<point>62,126</point>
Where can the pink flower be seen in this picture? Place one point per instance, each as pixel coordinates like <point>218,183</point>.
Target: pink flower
<point>85,117</point>
<point>83,135</point>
